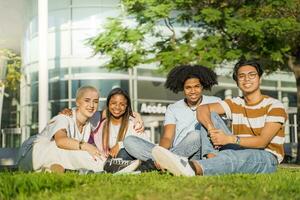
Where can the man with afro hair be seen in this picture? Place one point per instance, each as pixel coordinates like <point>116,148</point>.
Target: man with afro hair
<point>182,133</point>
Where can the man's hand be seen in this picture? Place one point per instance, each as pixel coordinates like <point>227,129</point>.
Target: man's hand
<point>114,151</point>
<point>66,111</point>
<point>219,138</point>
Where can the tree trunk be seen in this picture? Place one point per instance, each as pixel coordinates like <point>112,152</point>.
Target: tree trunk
<point>297,76</point>
<point>298,117</point>
<point>294,65</point>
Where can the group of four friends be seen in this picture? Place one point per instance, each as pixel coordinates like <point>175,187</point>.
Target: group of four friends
<point>195,140</point>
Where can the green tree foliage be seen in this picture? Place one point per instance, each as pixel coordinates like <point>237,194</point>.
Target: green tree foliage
<point>12,89</point>
<point>208,32</point>
<point>13,73</point>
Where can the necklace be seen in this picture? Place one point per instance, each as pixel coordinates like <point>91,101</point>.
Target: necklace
<point>193,108</point>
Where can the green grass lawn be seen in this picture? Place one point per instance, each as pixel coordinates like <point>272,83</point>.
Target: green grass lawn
<point>284,184</point>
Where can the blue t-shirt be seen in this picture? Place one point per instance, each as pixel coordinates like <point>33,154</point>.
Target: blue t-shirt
<point>180,114</point>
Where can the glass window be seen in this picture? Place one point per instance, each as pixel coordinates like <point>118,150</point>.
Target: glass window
<point>269,83</point>
<point>58,90</point>
<point>57,71</point>
<point>59,44</point>
<point>56,107</point>
<point>288,84</point>
<point>110,2</point>
<point>292,98</point>
<point>104,86</point>
<point>156,90</point>
<point>85,2</point>
<point>150,72</point>
<point>58,4</point>
<point>58,18</point>
<point>273,94</point>
<point>95,69</point>
<point>89,17</point>
<point>33,50</point>
<point>79,42</point>
<point>34,92</point>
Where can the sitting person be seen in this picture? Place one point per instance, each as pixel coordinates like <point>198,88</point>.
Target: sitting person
<point>118,124</point>
<point>63,144</point>
<point>182,133</point>
<point>257,125</point>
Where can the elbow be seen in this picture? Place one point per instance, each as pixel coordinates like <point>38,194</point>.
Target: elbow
<point>59,143</point>
<point>262,144</point>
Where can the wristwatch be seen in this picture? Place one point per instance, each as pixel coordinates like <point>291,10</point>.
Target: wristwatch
<point>238,140</point>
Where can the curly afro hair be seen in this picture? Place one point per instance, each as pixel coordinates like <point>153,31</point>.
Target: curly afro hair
<point>178,75</point>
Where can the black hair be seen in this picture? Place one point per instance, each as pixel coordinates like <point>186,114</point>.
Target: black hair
<point>242,63</point>
<point>178,75</point>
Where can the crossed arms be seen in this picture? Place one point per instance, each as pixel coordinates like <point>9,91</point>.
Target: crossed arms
<point>218,137</point>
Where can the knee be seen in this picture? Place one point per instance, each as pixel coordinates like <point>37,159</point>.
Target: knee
<point>193,136</point>
<point>130,142</point>
<point>214,115</point>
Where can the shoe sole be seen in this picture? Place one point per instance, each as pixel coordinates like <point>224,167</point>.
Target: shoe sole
<point>130,168</point>
<point>166,160</point>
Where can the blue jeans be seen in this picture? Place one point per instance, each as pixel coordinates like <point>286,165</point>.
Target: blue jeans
<point>194,145</point>
<point>124,155</point>
<point>141,149</point>
<point>239,161</point>
<point>236,159</point>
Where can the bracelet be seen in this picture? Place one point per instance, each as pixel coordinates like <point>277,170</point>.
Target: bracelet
<point>238,140</point>
<point>80,145</point>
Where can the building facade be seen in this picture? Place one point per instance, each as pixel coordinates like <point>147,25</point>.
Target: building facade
<point>71,65</point>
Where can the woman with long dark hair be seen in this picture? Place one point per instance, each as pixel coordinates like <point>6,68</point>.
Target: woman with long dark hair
<point>119,123</point>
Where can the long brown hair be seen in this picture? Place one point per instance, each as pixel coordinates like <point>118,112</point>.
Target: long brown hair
<point>125,118</point>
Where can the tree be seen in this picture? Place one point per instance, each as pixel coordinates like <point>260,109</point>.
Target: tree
<point>216,31</point>
<point>13,75</point>
<point>12,88</point>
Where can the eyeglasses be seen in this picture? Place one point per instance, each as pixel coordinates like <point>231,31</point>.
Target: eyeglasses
<point>242,77</point>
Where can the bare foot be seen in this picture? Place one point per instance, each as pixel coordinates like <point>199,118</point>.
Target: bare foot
<point>57,168</point>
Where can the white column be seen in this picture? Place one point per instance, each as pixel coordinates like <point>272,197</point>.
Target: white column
<point>228,94</point>
<point>285,101</point>
<point>43,62</point>
<point>3,66</point>
<point>135,89</point>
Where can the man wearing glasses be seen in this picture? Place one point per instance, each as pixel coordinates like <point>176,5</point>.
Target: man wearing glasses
<point>256,145</point>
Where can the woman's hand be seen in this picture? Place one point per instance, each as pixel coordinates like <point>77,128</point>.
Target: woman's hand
<point>114,151</point>
<point>92,150</point>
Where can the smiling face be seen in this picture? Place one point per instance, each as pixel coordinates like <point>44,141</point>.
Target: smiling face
<point>117,105</point>
<point>87,102</point>
<point>192,90</point>
<point>248,79</point>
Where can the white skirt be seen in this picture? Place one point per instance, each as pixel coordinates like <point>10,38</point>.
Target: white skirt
<point>43,153</point>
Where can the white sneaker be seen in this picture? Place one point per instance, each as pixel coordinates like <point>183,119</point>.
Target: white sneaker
<point>177,165</point>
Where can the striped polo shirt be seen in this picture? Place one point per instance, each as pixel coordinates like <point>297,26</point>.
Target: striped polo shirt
<point>249,120</point>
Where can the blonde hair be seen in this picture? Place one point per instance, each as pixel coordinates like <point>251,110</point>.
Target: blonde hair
<point>83,89</point>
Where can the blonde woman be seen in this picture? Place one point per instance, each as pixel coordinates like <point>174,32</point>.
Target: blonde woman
<point>63,144</point>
